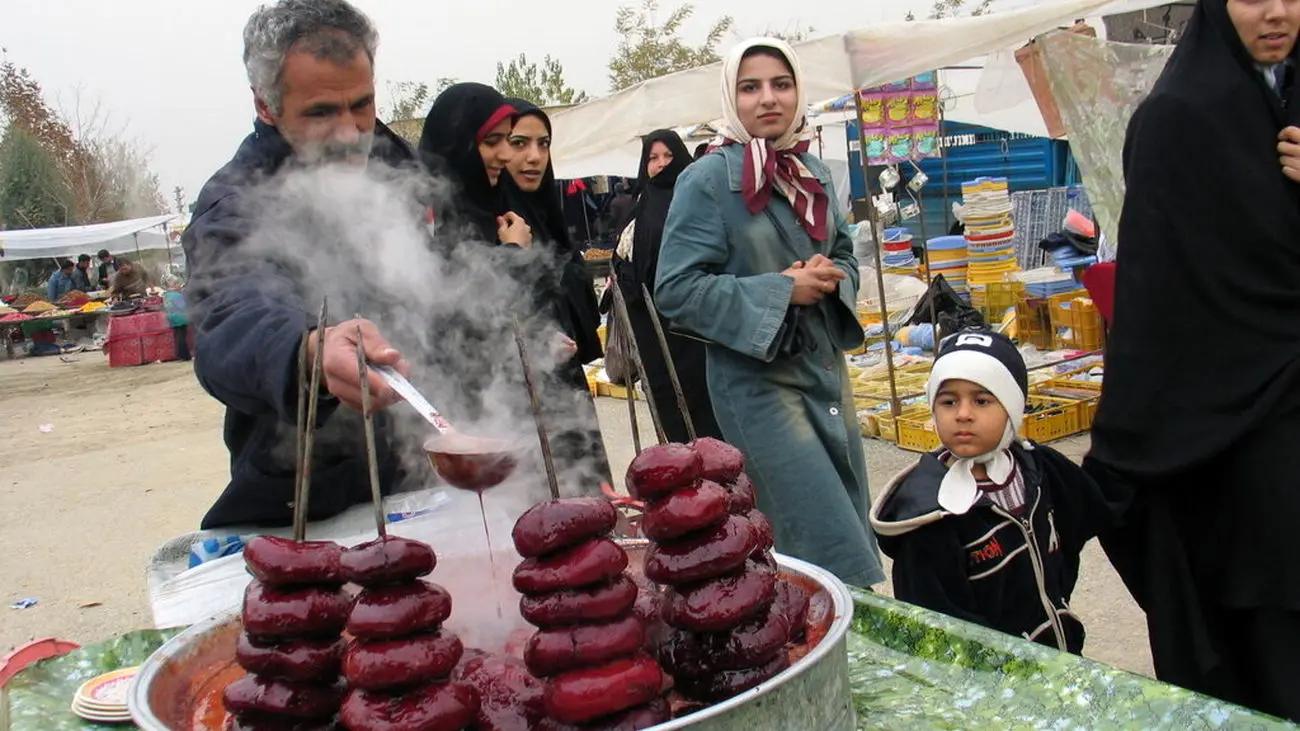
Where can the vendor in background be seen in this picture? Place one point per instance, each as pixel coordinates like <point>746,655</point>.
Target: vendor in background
<point>61,282</point>
<point>131,281</point>
<point>758,259</point>
<point>311,67</point>
<point>107,268</point>
<point>81,276</point>
<point>1200,416</point>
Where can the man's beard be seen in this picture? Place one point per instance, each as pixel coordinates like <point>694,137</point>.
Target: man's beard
<point>333,151</point>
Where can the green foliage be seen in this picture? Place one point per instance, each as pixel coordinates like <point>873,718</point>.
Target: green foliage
<point>952,8</point>
<point>407,100</point>
<point>542,85</point>
<point>648,49</point>
<point>33,193</point>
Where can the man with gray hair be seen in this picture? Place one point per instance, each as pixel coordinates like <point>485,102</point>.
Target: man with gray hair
<point>311,67</point>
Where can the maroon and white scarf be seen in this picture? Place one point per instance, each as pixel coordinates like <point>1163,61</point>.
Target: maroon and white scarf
<point>766,168</point>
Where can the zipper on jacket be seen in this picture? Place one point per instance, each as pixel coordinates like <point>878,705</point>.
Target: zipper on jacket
<point>1026,527</point>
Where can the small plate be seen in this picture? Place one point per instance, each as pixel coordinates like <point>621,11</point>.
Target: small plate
<point>109,689</point>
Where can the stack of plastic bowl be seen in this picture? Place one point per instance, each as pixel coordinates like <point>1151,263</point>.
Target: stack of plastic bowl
<point>948,256</point>
<point>897,255</point>
<point>990,232</point>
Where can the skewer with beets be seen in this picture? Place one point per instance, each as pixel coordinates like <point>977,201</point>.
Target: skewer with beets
<point>294,609</point>
<point>590,643</point>
<point>729,615</point>
<point>399,661</point>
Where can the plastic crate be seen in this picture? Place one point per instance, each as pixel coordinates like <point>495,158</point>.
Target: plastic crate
<point>885,420</point>
<point>1086,394</point>
<point>916,433</point>
<point>1075,321</point>
<point>1058,419</point>
<point>1033,326</point>
<point>995,298</point>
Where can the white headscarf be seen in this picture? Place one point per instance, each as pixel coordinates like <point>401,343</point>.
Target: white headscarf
<point>732,128</point>
<point>775,165</point>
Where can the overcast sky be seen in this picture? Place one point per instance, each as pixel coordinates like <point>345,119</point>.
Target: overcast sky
<point>172,71</point>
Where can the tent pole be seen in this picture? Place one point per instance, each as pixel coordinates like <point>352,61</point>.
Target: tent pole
<point>878,234</point>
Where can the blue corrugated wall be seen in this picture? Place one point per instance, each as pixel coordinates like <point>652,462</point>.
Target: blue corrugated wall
<point>1029,163</point>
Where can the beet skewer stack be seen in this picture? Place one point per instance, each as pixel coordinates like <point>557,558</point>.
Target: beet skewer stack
<point>730,616</point>
<point>295,607</point>
<point>589,645</point>
<point>399,663</point>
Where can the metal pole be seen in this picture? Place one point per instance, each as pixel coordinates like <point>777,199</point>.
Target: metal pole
<point>878,233</point>
<point>625,323</point>
<point>668,361</point>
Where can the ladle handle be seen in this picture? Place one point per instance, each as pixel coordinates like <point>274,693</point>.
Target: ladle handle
<point>413,397</point>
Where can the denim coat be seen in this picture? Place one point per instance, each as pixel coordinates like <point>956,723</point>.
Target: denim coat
<point>791,414</point>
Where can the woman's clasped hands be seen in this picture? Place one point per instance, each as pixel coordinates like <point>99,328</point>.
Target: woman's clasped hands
<point>814,279</point>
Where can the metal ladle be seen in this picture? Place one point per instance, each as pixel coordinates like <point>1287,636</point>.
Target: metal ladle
<point>466,462</point>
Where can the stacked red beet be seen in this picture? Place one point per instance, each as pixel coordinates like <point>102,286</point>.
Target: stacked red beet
<point>294,612</point>
<point>730,616</point>
<point>588,646</point>
<point>399,663</point>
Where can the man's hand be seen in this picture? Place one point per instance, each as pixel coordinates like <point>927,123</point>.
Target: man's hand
<point>813,282</point>
<point>339,363</point>
<point>512,229</point>
<point>564,348</point>
<point>1288,151</point>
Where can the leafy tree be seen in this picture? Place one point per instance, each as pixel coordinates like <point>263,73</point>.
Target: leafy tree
<point>953,8</point>
<point>98,173</point>
<point>648,49</point>
<point>32,190</point>
<point>407,100</point>
<point>542,85</point>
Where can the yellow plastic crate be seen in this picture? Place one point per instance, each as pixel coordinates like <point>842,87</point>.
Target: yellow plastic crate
<point>1057,419</point>
<point>1075,321</point>
<point>916,433</point>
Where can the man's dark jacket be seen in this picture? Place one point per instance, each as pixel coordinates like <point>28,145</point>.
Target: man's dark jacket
<point>250,315</point>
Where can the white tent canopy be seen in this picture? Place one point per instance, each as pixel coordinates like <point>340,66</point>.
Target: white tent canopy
<point>602,137</point>
<point>119,237</point>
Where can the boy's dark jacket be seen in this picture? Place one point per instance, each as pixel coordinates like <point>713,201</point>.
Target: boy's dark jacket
<point>1014,575</point>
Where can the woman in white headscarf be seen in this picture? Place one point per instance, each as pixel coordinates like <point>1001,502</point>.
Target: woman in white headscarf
<point>757,260</point>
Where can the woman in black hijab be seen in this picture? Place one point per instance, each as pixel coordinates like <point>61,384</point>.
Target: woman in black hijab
<point>465,141</point>
<point>663,158</point>
<point>1200,417</point>
<point>563,290</point>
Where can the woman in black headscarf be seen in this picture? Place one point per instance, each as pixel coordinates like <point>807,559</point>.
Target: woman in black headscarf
<point>465,141</point>
<point>663,158</point>
<point>564,291</point>
<point>1200,416</point>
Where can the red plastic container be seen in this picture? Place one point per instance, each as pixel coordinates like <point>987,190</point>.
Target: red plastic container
<point>34,651</point>
<point>146,337</point>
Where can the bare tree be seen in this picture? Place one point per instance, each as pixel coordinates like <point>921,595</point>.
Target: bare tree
<point>108,175</point>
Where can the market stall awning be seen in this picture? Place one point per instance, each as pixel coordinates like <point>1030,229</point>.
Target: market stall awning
<point>592,137</point>
<point>119,237</point>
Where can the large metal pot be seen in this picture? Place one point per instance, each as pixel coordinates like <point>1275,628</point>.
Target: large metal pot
<point>812,695</point>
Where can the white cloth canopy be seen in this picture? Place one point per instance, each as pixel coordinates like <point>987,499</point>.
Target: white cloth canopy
<point>119,237</point>
<point>601,137</point>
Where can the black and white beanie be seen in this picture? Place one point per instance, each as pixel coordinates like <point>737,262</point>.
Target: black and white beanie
<point>986,358</point>
<point>992,361</point>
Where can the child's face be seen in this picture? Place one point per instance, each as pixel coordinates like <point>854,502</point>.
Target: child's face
<point>970,421</point>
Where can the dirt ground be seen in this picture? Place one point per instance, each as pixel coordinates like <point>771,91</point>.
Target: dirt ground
<point>135,457</point>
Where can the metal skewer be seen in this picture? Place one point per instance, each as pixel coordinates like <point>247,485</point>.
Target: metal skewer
<point>372,458</point>
<point>626,351</point>
<point>302,503</point>
<point>300,433</point>
<point>625,322</point>
<point>668,360</point>
<point>536,403</point>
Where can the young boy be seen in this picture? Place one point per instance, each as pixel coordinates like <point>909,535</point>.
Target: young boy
<point>989,528</point>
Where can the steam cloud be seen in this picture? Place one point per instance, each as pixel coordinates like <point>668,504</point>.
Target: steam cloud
<point>358,236</point>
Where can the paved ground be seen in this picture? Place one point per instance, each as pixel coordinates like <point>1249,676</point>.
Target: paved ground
<point>135,457</point>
